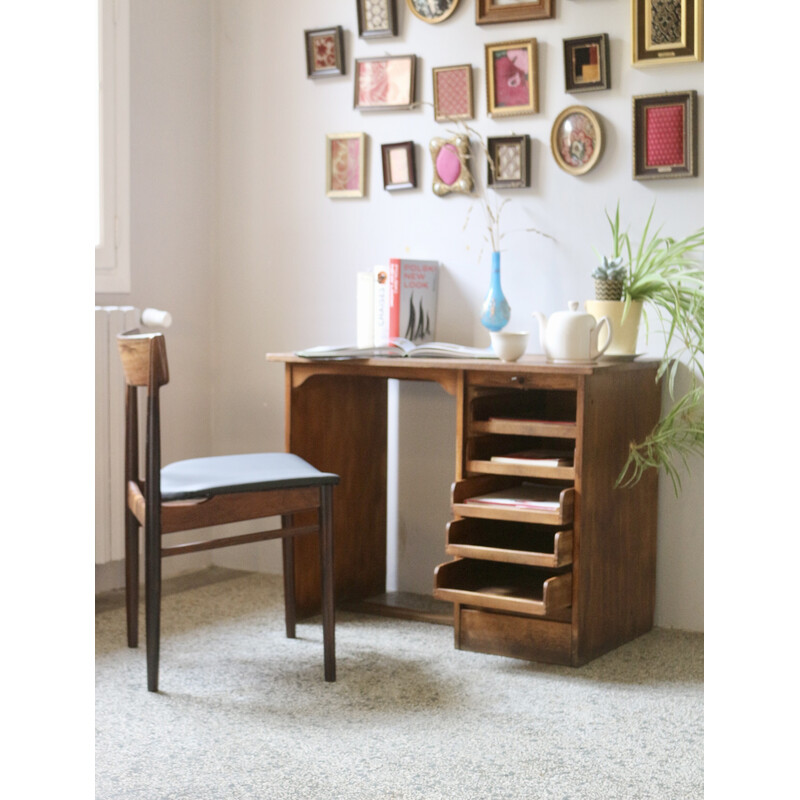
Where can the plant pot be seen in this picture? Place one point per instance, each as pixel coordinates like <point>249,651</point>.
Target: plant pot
<point>605,289</point>
<point>625,332</point>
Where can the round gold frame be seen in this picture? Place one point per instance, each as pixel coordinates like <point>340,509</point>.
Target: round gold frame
<point>597,140</point>
<point>433,20</point>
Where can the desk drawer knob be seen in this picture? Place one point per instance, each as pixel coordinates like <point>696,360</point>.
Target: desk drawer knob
<point>520,379</point>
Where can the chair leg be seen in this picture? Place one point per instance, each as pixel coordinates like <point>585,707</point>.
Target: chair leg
<point>132,577</point>
<point>326,559</point>
<point>290,601</point>
<point>152,600</point>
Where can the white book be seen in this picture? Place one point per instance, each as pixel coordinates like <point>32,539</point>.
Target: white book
<point>365,332</point>
<point>380,305</point>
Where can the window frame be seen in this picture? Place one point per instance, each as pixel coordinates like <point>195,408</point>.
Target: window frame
<point>112,252</point>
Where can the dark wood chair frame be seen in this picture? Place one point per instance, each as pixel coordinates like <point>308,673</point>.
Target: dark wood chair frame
<point>144,359</point>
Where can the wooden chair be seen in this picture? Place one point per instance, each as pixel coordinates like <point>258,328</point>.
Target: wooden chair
<point>201,492</point>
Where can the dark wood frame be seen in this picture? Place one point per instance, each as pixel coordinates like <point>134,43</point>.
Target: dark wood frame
<point>383,33</point>
<point>524,143</point>
<point>339,69</point>
<point>486,13</point>
<point>439,117</point>
<point>570,79</point>
<point>533,78</point>
<point>408,147</point>
<point>688,167</point>
<point>645,54</point>
<point>412,88</point>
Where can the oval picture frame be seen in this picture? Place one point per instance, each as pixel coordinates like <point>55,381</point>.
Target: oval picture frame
<point>576,140</point>
<point>428,16</point>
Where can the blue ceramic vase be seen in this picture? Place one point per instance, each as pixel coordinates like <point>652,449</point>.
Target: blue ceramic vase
<point>495,311</point>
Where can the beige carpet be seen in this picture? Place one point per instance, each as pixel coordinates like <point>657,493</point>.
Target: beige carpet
<point>244,712</point>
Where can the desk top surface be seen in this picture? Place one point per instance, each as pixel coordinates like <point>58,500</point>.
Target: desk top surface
<point>528,363</point>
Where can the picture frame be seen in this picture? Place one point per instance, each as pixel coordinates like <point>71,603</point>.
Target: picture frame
<point>377,19</point>
<point>512,78</point>
<point>576,140</point>
<point>666,31</point>
<point>324,52</point>
<point>451,165</point>
<point>385,83</point>
<point>586,63</point>
<point>345,164</point>
<point>432,11</point>
<point>399,166</point>
<point>488,12</point>
<point>665,135</point>
<point>508,162</point>
<point>452,93</point>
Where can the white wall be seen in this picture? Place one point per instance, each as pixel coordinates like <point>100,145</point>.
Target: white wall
<point>283,274</point>
<point>173,216</point>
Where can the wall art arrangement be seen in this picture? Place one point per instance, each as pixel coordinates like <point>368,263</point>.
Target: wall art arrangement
<point>665,135</point>
<point>508,162</point>
<point>432,11</point>
<point>399,166</point>
<point>345,164</point>
<point>377,19</point>
<point>384,83</point>
<point>512,78</point>
<point>452,93</point>
<point>586,64</point>
<point>664,125</point>
<point>666,31</point>
<point>324,52</point>
<point>576,140</point>
<point>490,11</point>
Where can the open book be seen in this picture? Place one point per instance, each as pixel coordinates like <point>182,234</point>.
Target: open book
<point>400,348</point>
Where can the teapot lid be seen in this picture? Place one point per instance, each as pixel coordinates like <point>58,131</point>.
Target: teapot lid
<point>573,305</point>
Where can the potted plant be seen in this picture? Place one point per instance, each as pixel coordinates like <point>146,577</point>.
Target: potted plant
<point>663,276</point>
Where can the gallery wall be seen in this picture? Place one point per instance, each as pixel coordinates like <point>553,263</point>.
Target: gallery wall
<point>279,270</point>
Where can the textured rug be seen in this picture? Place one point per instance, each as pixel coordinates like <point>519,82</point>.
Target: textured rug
<point>244,712</point>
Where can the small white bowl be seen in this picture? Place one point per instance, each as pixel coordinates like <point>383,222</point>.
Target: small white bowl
<point>509,346</point>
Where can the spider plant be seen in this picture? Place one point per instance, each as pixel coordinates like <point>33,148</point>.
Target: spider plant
<point>666,275</point>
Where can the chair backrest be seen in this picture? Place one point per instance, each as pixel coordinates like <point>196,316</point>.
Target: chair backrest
<point>144,358</point>
<point>144,362</point>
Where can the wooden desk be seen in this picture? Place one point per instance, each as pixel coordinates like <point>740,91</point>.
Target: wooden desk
<point>599,548</point>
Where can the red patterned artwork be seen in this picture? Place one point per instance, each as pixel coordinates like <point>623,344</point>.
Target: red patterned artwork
<point>453,92</point>
<point>344,164</point>
<point>664,136</point>
<point>324,51</point>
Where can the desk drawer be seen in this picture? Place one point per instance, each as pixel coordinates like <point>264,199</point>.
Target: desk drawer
<point>472,498</point>
<point>504,587</point>
<point>514,636</point>
<point>509,542</point>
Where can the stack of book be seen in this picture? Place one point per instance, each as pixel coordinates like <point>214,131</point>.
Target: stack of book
<point>397,301</point>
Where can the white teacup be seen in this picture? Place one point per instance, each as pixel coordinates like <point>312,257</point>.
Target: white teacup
<point>509,345</point>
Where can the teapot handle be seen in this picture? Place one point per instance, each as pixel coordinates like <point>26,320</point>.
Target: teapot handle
<point>596,336</point>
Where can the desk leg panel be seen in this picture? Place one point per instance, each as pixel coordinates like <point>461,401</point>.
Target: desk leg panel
<point>338,424</point>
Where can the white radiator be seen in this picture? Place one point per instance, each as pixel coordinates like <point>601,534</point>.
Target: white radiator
<point>109,439</point>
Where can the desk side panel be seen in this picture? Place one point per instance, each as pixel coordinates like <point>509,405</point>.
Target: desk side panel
<point>338,424</point>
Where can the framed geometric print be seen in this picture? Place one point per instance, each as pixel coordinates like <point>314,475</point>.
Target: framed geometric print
<point>665,135</point>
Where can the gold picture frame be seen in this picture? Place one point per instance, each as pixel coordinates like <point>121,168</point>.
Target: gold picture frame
<point>426,11</point>
<point>577,140</point>
<point>666,31</point>
<point>345,164</point>
<point>450,165</point>
<point>452,93</point>
<point>512,78</point>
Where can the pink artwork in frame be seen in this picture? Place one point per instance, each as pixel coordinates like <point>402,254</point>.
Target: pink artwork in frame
<point>384,83</point>
<point>345,165</point>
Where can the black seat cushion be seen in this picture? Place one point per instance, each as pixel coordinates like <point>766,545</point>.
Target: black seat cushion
<point>252,472</point>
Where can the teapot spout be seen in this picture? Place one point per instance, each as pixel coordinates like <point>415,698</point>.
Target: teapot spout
<point>542,330</point>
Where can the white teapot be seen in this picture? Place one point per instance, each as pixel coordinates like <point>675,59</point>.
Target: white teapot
<point>570,337</point>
